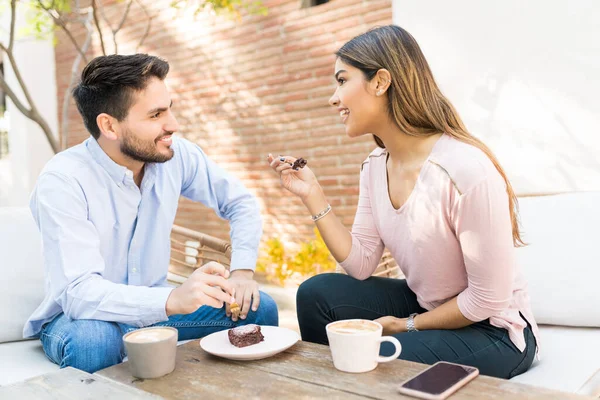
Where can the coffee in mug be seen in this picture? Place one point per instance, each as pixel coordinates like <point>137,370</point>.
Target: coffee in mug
<point>151,351</point>
<point>353,327</point>
<point>150,335</point>
<point>355,343</point>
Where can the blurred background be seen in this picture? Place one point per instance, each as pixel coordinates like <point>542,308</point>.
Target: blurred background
<point>250,78</point>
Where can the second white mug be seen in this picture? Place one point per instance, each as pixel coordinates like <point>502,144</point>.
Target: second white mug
<point>355,343</point>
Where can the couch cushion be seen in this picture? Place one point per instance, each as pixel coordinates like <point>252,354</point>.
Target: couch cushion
<point>562,261</point>
<point>21,271</point>
<point>569,356</point>
<point>23,360</point>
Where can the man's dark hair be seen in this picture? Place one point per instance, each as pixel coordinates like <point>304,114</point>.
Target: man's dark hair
<point>108,84</point>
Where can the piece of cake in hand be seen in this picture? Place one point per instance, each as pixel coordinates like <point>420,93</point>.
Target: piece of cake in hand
<point>235,310</point>
<point>246,335</point>
<point>234,307</point>
<point>299,164</point>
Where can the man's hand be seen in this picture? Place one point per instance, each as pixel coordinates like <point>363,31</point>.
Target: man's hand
<point>392,325</point>
<point>208,285</point>
<point>246,292</point>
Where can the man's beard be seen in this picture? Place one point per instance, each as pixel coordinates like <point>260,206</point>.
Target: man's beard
<point>143,150</point>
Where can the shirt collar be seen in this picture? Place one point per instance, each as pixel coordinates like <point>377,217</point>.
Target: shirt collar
<point>117,172</point>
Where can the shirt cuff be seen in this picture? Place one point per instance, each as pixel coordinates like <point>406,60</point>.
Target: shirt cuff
<point>243,259</point>
<point>353,264</point>
<point>157,305</point>
<point>353,257</point>
<point>466,308</point>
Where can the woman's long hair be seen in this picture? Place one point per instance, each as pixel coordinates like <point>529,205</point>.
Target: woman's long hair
<point>416,103</point>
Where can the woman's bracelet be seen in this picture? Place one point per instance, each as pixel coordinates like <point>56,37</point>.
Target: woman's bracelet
<point>323,213</point>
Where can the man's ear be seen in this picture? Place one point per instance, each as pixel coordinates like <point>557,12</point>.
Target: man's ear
<point>381,82</point>
<point>109,127</point>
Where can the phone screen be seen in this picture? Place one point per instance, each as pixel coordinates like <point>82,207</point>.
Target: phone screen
<point>439,378</point>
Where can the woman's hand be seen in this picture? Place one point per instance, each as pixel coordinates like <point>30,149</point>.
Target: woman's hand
<point>392,325</point>
<point>303,182</point>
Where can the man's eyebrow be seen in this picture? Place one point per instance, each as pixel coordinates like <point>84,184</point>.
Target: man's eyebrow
<point>160,109</point>
<point>339,72</point>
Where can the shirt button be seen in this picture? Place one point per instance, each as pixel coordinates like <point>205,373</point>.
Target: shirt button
<point>135,270</point>
<point>134,242</point>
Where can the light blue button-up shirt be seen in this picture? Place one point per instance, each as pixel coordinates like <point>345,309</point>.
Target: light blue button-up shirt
<point>106,241</point>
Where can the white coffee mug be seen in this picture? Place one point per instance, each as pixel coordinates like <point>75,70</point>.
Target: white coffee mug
<point>355,343</point>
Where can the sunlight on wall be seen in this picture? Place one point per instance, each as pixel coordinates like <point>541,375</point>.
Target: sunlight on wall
<point>227,91</point>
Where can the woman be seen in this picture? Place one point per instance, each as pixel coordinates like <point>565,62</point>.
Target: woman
<point>436,197</point>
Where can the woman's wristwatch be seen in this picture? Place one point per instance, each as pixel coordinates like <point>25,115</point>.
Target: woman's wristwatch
<point>410,323</point>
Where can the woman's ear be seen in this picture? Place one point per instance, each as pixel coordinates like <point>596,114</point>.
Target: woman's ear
<point>382,81</point>
<point>108,126</point>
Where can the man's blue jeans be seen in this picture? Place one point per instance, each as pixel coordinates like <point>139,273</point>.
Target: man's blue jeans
<point>91,345</point>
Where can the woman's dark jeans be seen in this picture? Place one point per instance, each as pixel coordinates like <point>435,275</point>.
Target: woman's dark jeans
<point>331,297</point>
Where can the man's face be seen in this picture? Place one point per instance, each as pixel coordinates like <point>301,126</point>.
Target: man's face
<point>146,132</point>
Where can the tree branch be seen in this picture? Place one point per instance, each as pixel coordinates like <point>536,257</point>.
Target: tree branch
<point>129,3</point>
<point>115,31</point>
<point>119,26</point>
<point>74,75</point>
<point>17,73</point>
<point>58,21</point>
<point>148,27</point>
<point>31,114</point>
<point>97,22</point>
<point>47,131</point>
<point>13,97</point>
<point>13,20</point>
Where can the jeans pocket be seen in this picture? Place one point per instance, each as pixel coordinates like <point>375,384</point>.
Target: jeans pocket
<point>528,357</point>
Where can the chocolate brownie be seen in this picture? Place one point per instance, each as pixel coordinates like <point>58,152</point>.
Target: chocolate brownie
<point>299,164</point>
<point>246,335</point>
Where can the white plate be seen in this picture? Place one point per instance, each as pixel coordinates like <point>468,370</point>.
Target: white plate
<point>276,340</point>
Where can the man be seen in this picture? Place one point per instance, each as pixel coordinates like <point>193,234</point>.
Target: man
<point>105,209</point>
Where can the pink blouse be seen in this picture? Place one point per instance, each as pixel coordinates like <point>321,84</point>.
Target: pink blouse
<point>453,236</point>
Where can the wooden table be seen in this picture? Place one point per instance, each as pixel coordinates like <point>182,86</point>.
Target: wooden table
<point>71,383</point>
<point>304,371</point>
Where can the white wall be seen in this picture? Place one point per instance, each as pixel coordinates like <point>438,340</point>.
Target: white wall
<point>29,148</point>
<point>525,77</point>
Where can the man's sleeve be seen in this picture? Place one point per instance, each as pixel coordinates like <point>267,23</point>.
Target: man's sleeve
<point>207,183</point>
<point>75,266</point>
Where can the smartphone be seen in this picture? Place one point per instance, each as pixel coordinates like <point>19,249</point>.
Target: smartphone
<point>438,381</point>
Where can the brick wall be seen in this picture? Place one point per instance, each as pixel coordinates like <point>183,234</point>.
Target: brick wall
<point>245,88</point>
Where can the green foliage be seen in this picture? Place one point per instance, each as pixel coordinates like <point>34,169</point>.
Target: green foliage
<point>40,24</point>
<point>311,259</point>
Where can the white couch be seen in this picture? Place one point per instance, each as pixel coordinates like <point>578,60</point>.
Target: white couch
<point>562,265</point>
<point>21,291</point>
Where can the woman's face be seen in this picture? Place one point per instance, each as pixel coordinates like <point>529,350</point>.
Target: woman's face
<point>361,110</point>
